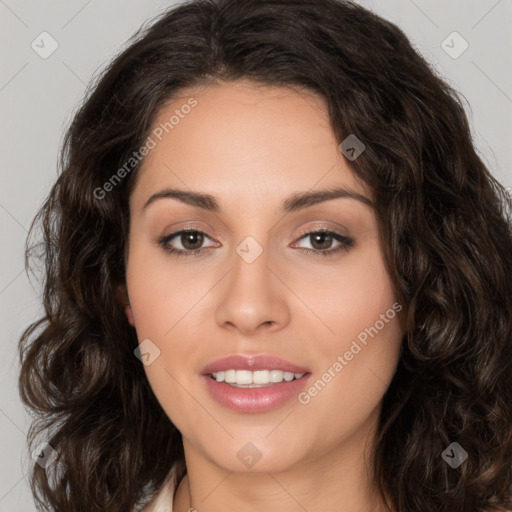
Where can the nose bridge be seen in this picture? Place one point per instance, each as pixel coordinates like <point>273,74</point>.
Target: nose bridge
<point>251,296</point>
<point>250,272</point>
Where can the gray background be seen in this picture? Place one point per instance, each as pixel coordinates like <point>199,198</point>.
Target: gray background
<point>38,97</point>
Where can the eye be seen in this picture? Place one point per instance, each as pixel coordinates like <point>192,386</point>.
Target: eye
<point>190,239</point>
<point>321,242</point>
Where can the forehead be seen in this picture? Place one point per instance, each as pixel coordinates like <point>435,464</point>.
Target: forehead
<point>244,139</point>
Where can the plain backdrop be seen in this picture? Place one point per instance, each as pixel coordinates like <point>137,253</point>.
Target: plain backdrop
<point>39,95</point>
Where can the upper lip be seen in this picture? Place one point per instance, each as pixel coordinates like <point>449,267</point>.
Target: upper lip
<point>253,363</point>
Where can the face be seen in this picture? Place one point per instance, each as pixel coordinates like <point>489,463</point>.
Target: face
<point>281,282</point>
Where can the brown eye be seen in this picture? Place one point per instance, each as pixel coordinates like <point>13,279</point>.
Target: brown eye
<point>321,240</point>
<point>192,240</point>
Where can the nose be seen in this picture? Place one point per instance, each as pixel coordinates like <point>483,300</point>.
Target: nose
<point>252,296</point>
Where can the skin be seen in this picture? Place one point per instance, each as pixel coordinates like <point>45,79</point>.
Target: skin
<point>252,146</point>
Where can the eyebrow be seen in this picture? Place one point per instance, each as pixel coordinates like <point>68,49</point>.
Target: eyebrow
<point>295,202</point>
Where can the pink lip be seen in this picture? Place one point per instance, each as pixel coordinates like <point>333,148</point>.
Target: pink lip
<point>253,400</point>
<point>253,363</point>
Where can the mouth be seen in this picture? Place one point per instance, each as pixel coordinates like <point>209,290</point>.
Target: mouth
<point>254,384</point>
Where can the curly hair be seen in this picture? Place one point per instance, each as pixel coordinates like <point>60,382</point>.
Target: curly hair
<point>444,222</point>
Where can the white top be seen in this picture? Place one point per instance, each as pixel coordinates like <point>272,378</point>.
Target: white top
<point>163,500</point>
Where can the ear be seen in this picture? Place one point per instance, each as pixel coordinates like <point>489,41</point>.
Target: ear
<point>122,297</point>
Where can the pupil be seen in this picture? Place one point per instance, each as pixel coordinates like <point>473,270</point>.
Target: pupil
<point>320,236</point>
<point>189,237</point>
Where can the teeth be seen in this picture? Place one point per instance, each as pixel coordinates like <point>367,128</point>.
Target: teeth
<point>254,379</point>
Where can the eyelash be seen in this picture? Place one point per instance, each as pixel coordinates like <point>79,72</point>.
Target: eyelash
<point>345,243</point>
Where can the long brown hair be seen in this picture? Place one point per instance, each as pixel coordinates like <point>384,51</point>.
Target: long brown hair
<point>445,228</point>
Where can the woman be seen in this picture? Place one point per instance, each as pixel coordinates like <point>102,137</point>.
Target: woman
<point>195,354</point>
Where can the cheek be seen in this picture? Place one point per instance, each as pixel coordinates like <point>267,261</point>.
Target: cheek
<point>349,297</point>
<point>361,314</point>
<point>160,303</point>
<point>165,301</point>
<point>161,291</point>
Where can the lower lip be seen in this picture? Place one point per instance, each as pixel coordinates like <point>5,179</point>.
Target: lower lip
<point>253,400</point>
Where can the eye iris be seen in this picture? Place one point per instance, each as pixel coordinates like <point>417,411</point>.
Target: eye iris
<point>321,236</point>
<point>194,238</point>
